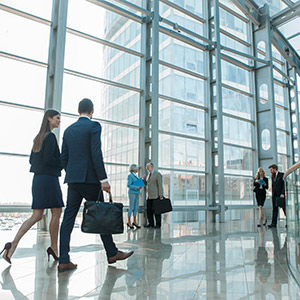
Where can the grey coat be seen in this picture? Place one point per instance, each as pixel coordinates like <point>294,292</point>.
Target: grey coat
<point>154,185</point>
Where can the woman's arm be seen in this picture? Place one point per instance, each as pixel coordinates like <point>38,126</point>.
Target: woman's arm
<point>130,183</point>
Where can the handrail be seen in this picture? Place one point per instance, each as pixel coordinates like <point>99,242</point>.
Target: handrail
<point>291,169</point>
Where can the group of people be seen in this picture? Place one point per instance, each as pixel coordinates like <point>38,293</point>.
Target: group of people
<point>81,158</point>
<point>153,181</point>
<point>261,185</point>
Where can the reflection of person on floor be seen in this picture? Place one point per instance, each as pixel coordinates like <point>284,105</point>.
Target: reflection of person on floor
<point>262,267</point>
<point>112,275</point>
<point>9,284</point>
<point>154,263</point>
<point>280,263</point>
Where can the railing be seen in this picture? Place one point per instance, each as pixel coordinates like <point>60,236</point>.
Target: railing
<point>292,182</point>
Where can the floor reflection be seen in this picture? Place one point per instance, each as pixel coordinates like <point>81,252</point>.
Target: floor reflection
<point>234,260</point>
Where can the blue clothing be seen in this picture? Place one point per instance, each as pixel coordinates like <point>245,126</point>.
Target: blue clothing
<point>46,192</point>
<point>81,155</point>
<point>82,159</point>
<point>133,204</point>
<point>133,189</point>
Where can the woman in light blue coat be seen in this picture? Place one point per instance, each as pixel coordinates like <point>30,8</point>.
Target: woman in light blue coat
<point>133,192</point>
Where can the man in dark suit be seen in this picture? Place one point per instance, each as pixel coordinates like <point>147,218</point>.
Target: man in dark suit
<point>278,191</point>
<point>86,177</point>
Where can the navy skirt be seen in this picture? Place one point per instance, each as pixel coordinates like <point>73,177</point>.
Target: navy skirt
<point>46,192</point>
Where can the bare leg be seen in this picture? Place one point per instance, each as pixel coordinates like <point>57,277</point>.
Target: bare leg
<point>36,216</point>
<point>134,220</point>
<point>54,226</point>
<point>259,214</point>
<point>263,214</point>
<point>129,221</point>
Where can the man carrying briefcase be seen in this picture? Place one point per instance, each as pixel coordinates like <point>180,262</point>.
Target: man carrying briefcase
<point>153,181</point>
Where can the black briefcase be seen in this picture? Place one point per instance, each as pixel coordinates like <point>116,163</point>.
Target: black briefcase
<point>161,206</point>
<point>102,217</point>
<point>280,202</point>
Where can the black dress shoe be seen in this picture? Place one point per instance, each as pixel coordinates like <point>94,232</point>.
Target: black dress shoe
<point>157,226</point>
<point>148,226</point>
<point>272,226</point>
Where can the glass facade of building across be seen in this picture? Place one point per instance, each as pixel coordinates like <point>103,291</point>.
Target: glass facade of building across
<point>105,60</point>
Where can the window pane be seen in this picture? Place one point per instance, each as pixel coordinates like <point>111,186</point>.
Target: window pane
<point>85,56</point>
<point>235,76</point>
<point>238,190</point>
<point>180,153</point>
<point>181,86</point>
<point>179,118</point>
<point>97,21</point>
<point>23,127</point>
<point>237,104</point>
<point>181,54</point>
<point>120,144</point>
<point>238,161</point>
<point>184,188</point>
<point>22,83</point>
<point>24,37</point>
<point>15,170</point>
<point>237,132</point>
<point>110,102</point>
<point>38,8</point>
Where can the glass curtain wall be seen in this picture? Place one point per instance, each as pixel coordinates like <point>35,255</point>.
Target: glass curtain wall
<point>103,62</point>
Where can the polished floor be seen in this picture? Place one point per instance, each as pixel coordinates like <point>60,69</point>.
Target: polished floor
<point>190,260</point>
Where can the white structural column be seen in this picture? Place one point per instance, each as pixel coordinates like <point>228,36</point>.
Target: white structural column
<point>265,100</point>
<point>216,143</point>
<point>56,55</point>
<point>294,115</point>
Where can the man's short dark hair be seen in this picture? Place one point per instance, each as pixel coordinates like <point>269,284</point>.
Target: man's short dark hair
<point>274,166</point>
<point>85,106</point>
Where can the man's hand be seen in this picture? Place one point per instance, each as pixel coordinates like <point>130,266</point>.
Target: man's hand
<point>161,197</point>
<point>105,186</point>
<point>139,188</point>
<point>281,196</point>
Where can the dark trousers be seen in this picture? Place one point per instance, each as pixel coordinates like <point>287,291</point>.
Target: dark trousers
<point>275,211</point>
<point>76,192</point>
<point>150,214</point>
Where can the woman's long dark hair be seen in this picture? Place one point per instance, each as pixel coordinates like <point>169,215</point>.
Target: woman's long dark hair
<point>44,130</point>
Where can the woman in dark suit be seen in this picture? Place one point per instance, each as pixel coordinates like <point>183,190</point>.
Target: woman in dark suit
<point>261,184</point>
<point>46,192</point>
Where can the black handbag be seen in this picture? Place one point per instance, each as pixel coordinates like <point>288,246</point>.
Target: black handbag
<point>280,202</point>
<point>102,217</point>
<point>161,206</point>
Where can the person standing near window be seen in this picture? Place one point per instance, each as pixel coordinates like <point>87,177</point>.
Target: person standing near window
<point>153,181</point>
<point>261,184</point>
<point>46,192</point>
<point>133,193</point>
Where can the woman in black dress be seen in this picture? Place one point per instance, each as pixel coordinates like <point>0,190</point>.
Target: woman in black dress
<point>46,192</point>
<point>261,184</point>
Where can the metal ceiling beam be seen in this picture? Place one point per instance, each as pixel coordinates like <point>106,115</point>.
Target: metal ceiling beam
<point>285,49</point>
<point>250,9</point>
<point>286,15</point>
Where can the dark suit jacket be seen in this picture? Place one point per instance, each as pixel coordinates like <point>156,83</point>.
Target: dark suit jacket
<point>278,187</point>
<point>46,162</point>
<point>81,155</point>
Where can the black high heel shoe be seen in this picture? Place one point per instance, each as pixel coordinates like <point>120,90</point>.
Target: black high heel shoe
<point>136,225</point>
<point>265,223</point>
<point>7,246</point>
<point>131,227</point>
<point>51,252</point>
